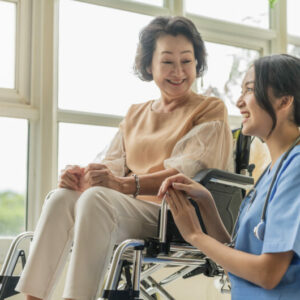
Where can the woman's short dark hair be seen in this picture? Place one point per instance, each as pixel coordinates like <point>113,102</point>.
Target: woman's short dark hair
<point>167,26</point>
<point>281,73</point>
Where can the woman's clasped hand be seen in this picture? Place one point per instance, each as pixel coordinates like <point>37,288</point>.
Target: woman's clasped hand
<point>81,178</point>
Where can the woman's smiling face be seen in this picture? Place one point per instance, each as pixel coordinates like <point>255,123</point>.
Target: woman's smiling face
<point>173,65</point>
<point>256,121</point>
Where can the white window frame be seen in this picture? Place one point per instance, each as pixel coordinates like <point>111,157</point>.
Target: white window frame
<point>15,103</point>
<point>35,95</point>
<point>20,94</point>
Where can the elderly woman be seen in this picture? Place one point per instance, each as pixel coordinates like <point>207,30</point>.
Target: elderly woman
<point>115,198</point>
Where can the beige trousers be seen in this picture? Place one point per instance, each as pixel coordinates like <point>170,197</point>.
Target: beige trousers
<point>94,221</point>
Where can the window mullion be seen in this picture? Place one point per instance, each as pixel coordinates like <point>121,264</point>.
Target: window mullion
<point>23,48</point>
<point>48,109</point>
<point>278,23</point>
<point>78,117</point>
<point>43,132</point>
<point>130,6</point>
<point>177,7</point>
<point>219,31</point>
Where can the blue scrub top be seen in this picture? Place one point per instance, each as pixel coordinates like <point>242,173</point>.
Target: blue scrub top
<point>282,231</point>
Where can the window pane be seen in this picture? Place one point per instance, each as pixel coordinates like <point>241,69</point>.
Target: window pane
<point>79,144</point>
<point>96,59</point>
<point>253,13</point>
<point>13,174</point>
<point>150,2</point>
<point>8,44</point>
<point>293,21</point>
<point>226,68</point>
<point>294,50</point>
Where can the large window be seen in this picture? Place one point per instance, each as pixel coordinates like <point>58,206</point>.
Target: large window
<point>293,20</point>
<point>96,57</point>
<point>13,174</point>
<point>80,144</point>
<point>253,13</point>
<point>226,68</point>
<point>8,44</point>
<point>293,27</point>
<point>68,69</point>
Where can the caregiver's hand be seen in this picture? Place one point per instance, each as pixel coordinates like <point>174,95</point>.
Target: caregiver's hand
<point>184,215</point>
<point>182,183</point>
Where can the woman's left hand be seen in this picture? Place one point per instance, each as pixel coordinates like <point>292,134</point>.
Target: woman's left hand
<point>184,215</point>
<point>100,175</point>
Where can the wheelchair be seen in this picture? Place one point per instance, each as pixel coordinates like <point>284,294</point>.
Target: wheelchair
<point>134,261</point>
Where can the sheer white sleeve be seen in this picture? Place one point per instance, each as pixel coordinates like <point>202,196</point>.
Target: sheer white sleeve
<point>207,145</point>
<point>114,156</point>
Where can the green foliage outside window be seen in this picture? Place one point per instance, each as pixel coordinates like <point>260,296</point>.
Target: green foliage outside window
<point>12,213</point>
<point>272,3</point>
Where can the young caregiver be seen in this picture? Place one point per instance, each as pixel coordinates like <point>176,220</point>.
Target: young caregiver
<point>263,255</point>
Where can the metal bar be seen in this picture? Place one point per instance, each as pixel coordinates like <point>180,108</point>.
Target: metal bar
<point>151,290</point>
<point>177,275</point>
<point>12,249</point>
<point>173,261</point>
<point>160,289</point>
<point>229,183</point>
<point>136,272</point>
<point>163,221</point>
<point>151,270</point>
<point>157,267</point>
<point>145,294</point>
<point>111,282</point>
<point>14,260</point>
<point>184,248</point>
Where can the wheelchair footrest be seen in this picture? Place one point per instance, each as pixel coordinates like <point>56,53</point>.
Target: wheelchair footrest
<point>7,286</point>
<point>120,295</point>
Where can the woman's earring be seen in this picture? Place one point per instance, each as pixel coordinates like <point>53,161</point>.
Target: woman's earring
<point>149,71</point>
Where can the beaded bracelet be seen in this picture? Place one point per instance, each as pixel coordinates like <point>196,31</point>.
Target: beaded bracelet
<point>137,183</point>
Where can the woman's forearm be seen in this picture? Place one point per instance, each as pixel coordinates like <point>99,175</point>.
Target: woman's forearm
<point>265,270</point>
<point>212,220</point>
<point>149,183</point>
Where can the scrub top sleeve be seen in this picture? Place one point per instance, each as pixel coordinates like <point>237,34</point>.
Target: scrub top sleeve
<point>282,231</point>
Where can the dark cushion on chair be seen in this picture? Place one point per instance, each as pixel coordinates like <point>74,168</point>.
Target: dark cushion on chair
<point>228,191</point>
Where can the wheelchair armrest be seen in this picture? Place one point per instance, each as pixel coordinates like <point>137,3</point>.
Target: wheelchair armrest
<point>224,177</point>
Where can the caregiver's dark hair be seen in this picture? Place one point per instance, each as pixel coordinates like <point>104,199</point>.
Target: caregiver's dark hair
<point>167,26</point>
<point>281,73</point>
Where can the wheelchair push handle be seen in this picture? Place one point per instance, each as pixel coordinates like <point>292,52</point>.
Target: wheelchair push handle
<point>163,221</point>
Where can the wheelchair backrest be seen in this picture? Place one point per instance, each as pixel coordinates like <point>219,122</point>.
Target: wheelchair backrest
<point>227,188</point>
<point>241,148</point>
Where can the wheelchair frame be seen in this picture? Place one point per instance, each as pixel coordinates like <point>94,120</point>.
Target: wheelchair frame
<point>157,253</point>
<point>144,257</point>
<point>153,253</point>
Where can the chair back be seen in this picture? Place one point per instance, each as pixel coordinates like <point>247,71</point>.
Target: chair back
<point>242,145</point>
<point>227,188</point>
